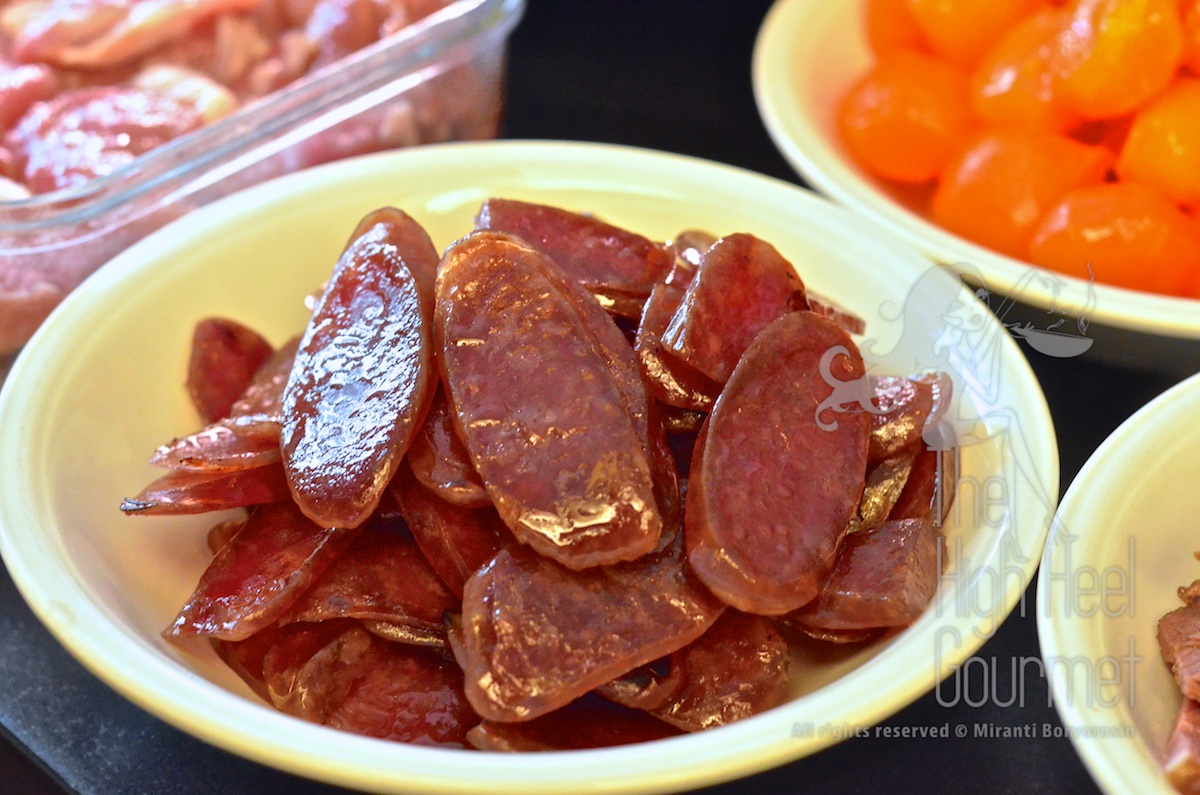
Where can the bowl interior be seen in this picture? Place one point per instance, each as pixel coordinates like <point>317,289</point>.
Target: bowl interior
<point>807,56</point>
<point>101,385</point>
<point>1122,545</point>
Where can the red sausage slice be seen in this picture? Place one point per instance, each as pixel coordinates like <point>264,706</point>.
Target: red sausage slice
<point>589,722</point>
<point>907,408</point>
<point>618,266</point>
<point>185,491</point>
<point>440,461</point>
<point>884,577</point>
<point>225,356</point>
<point>383,577</point>
<point>591,626</point>
<point>771,491</point>
<point>456,541</point>
<point>667,378</point>
<point>742,285</point>
<point>363,376</point>
<point>545,423</point>
<point>338,674</point>
<point>408,695</point>
<point>226,445</point>
<point>259,574</point>
<point>736,669</point>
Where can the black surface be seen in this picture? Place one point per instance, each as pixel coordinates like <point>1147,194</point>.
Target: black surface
<point>664,74</point>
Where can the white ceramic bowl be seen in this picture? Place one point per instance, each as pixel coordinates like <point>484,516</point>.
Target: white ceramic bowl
<point>808,54</point>
<point>101,385</point>
<point>1130,517</point>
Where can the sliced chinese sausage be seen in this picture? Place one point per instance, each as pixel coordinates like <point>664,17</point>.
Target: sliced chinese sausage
<point>225,356</point>
<point>778,474</point>
<point>623,367</point>
<point>742,285</point>
<point>588,722</point>
<point>259,574</point>
<point>590,626</point>
<point>309,669</point>
<point>885,483</point>
<point>618,266</point>
<point>264,393</point>
<point>456,541</point>
<point>381,577</point>
<point>544,421</point>
<point>901,406</point>
<point>440,461</point>
<point>226,445</point>
<point>736,669</point>
<point>668,378</point>
<point>929,490</point>
<point>884,577</point>
<point>828,308</point>
<point>906,409</point>
<point>408,694</point>
<point>363,375</point>
<point>184,491</point>
<point>338,674</point>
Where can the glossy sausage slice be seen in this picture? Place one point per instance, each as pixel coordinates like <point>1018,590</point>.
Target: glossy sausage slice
<point>408,695</point>
<point>259,574</point>
<point>589,722</point>
<point>440,461</point>
<point>225,355</point>
<point>381,577</point>
<point>668,378</point>
<point>771,490</point>
<point>456,541</point>
<point>622,365</point>
<point>226,445</point>
<point>884,577</point>
<point>907,409</point>
<point>545,423</point>
<point>736,669</point>
<point>186,491</point>
<point>742,285</point>
<point>618,266</point>
<point>363,375</point>
<point>534,636</point>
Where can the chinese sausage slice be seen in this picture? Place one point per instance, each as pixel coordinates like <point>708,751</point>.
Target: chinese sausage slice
<point>778,473</point>
<point>363,375</point>
<point>546,424</point>
<point>534,636</point>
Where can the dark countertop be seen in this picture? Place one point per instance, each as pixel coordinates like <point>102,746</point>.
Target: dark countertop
<point>663,74</point>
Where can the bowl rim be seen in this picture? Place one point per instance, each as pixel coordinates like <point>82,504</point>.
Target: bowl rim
<point>786,35</point>
<point>732,751</point>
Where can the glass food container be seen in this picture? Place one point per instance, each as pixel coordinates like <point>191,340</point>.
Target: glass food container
<point>438,79</point>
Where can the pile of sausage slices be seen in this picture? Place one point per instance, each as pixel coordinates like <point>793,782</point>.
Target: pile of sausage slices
<point>560,486</point>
